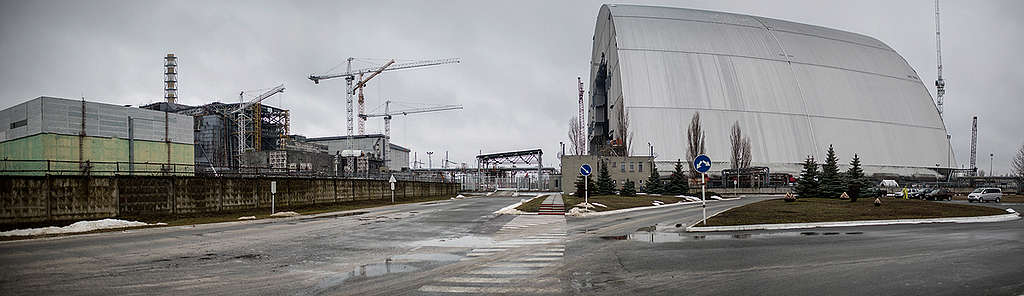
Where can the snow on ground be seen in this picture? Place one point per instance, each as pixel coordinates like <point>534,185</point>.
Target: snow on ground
<point>689,198</point>
<point>716,197</point>
<point>657,203</point>
<point>578,212</point>
<point>600,205</point>
<point>80,226</point>
<point>284,214</point>
<point>247,218</point>
<point>584,205</point>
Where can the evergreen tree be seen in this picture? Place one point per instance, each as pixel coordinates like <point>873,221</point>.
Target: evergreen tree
<point>653,181</point>
<point>855,181</point>
<point>677,183</point>
<point>605,185</point>
<point>628,188</point>
<point>579,185</point>
<point>807,185</point>
<point>831,185</point>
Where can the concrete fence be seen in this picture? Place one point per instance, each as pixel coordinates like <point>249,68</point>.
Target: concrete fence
<point>26,199</point>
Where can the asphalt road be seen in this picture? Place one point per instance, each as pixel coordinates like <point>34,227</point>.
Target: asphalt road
<point>458,247</point>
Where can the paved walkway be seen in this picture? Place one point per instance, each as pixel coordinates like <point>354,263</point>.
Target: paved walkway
<point>552,206</point>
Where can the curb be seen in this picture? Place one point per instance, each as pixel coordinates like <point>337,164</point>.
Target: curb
<point>783,226</point>
<point>605,213</point>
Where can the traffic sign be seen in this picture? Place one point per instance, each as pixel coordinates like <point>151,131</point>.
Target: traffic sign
<point>702,163</point>
<point>585,169</point>
<point>392,181</point>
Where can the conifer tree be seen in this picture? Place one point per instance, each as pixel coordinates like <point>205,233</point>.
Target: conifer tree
<point>855,181</point>
<point>807,185</point>
<point>579,185</point>
<point>605,185</point>
<point>831,181</point>
<point>677,183</point>
<point>628,188</point>
<point>653,181</point>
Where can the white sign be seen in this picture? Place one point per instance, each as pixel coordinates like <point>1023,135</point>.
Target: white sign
<point>273,186</point>
<point>392,181</point>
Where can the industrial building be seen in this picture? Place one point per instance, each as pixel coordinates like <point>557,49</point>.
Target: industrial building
<point>50,135</point>
<point>216,131</point>
<point>369,146</point>
<point>793,88</point>
<point>620,169</point>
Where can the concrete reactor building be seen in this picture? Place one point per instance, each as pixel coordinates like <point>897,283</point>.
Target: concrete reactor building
<point>794,89</point>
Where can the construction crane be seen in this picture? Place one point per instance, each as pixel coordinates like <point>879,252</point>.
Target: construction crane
<point>974,145</point>
<point>582,145</point>
<point>350,76</point>
<point>940,85</point>
<point>387,121</point>
<point>242,119</point>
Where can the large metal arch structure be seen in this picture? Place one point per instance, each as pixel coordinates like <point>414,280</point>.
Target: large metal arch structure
<point>793,88</point>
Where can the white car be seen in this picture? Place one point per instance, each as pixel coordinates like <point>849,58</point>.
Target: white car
<point>985,195</point>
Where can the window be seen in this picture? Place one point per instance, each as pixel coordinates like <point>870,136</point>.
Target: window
<point>623,167</point>
<point>19,123</point>
<point>631,167</point>
<point>640,167</point>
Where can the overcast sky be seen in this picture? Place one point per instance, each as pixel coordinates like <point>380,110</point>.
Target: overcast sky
<point>520,59</point>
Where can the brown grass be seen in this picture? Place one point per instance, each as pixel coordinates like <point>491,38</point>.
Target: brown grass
<point>830,210</point>
<point>533,205</point>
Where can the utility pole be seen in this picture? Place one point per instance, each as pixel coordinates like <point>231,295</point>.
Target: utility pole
<point>430,160</point>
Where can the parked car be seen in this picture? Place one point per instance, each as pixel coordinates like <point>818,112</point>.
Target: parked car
<point>985,195</point>
<point>918,193</point>
<point>939,194</point>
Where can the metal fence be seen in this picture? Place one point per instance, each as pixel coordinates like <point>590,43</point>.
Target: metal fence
<point>10,167</point>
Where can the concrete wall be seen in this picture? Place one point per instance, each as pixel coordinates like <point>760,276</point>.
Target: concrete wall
<point>36,198</point>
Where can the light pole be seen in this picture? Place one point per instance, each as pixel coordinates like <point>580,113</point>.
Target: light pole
<point>991,156</point>
<point>430,160</point>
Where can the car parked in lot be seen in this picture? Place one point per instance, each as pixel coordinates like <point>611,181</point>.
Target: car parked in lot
<point>939,194</point>
<point>985,195</point>
<point>918,193</point>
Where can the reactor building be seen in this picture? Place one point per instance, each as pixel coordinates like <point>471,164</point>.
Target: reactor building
<point>794,89</point>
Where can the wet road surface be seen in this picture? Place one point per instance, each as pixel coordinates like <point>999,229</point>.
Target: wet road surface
<point>458,247</point>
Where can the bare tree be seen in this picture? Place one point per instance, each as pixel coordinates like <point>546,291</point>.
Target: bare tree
<point>1017,164</point>
<point>625,136</point>
<point>740,147</point>
<point>576,141</point>
<point>695,138</point>
<point>736,143</point>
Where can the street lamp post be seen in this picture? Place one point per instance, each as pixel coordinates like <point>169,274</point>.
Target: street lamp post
<point>991,156</point>
<point>430,160</point>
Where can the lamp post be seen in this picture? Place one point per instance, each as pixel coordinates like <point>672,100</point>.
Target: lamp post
<point>430,160</point>
<point>991,156</point>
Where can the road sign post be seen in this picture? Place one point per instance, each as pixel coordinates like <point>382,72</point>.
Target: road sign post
<point>392,181</point>
<point>585,170</point>
<point>273,193</point>
<point>702,163</point>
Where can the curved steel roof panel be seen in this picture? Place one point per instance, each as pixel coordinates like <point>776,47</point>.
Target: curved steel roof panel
<point>794,88</point>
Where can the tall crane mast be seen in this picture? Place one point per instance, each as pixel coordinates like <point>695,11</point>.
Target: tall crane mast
<point>350,76</point>
<point>580,133</point>
<point>242,119</point>
<point>387,121</point>
<point>974,145</point>
<point>940,85</point>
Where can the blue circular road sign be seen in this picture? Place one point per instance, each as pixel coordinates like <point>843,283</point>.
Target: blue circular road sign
<point>702,163</point>
<point>585,170</point>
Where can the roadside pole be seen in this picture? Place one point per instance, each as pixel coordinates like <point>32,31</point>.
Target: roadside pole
<point>702,163</point>
<point>585,170</point>
<point>392,181</point>
<point>273,193</point>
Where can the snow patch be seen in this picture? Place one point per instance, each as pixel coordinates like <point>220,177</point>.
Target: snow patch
<point>247,218</point>
<point>578,212</point>
<point>657,203</point>
<point>80,226</point>
<point>284,214</point>
<point>600,205</point>
<point>716,197</point>
<point>584,205</point>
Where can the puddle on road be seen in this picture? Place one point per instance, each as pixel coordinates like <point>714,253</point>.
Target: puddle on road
<point>364,271</point>
<point>457,242</point>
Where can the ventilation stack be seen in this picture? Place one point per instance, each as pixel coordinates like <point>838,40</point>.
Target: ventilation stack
<point>171,78</point>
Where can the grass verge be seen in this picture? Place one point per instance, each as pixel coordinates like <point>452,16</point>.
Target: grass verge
<point>205,218</point>
<point>808,210</point>
<point>615,202</point>
<point>533,205</point>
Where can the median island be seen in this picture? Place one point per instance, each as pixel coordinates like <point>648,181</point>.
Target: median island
<point>603,203</point>
<point>808,210</point>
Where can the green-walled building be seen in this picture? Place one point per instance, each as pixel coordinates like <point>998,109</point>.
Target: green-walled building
<point>50,135</point>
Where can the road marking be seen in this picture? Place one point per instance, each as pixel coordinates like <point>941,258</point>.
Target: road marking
<point>484,280</point>
<point>488,290</point>
<point>542,259</point>
<point>480,254</point>
<point>504,272</point>
<point>520,265</point>
<point>549,254</point>
<point>489,250</point>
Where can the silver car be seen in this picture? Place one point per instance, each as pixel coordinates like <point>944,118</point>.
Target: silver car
<point>985,195</point>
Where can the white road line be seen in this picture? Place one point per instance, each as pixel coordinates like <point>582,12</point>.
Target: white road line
<point>504,272</point>
<point>484,250</point>
<point>484,280</point>
<point>548,254</point>
<point>542,259</point>
<point>479,254</point>
<point>520,265</point>
<point>488,290</point>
